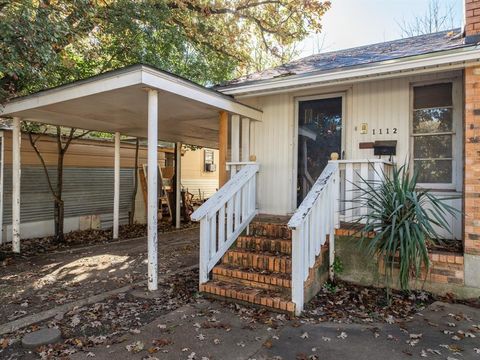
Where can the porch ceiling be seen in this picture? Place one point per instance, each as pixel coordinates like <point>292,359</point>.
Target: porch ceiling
<point>117,101</point>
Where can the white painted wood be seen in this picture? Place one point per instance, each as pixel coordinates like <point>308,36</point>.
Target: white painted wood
<point>221,226</point>
<point>204,250</point>
<point>116,186</point>
<point>348,191</point>
<point>364,167</point>
<point>231,204</point>
<point>310,224</point>
<point>297,270</point>
<point>152,182</point>
<point>234,143</point>
<point>230,217</point>
<point>16,175</point>
<point>245,139</point>
<point>213,204</point>
<point>178,184</point>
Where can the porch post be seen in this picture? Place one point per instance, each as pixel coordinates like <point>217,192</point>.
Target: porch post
<point>178,182</point>
<point>245,139</point>
<point>152,212</point>
<point>16,174</point>
<point>235,142</point>
<point>222,148</point>
<point>116,193</point>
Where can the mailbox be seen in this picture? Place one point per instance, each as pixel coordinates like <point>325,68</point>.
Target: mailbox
<point>385,147</point>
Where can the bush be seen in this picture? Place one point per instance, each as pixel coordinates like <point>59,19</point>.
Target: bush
<point>403,218</point>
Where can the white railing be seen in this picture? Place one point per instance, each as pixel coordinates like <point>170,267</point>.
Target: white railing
<point>315,218</point>
<point>224,216</point>
<point>351,174</point>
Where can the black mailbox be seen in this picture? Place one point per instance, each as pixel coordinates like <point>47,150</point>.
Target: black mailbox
<point>385,147</point>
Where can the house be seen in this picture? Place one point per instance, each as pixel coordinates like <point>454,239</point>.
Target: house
<point>413,100</point>
<point>88,173</point>
<point>268,235</point>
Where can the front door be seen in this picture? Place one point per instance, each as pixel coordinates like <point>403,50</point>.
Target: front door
<point>319,135</point>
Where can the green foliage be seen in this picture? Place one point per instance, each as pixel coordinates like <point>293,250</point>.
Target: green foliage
<point>404,218</point>
<point>48,43</point>
<point>330,287</point>
<point>337,266</point>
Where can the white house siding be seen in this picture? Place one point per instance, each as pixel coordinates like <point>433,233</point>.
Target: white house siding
<point>380,104</point>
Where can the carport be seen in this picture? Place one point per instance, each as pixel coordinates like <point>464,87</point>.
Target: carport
<point>137,101</point>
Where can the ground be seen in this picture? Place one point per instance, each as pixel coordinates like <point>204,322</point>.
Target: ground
<point>96,296</point>
<point>36,283</point>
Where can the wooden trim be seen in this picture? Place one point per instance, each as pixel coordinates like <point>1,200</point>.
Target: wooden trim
<point>223,148</point>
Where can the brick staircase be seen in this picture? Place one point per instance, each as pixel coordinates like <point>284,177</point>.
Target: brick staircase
<point>258,267</point>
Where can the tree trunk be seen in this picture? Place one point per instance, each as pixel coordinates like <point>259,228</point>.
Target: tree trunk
<point>135,184</point>
<point>59,214</point>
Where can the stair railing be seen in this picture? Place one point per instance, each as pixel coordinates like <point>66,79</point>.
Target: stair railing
<point>224,216</point>
<point>314,219</point>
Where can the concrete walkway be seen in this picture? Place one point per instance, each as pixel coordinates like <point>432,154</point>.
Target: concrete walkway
<point>208,330</point>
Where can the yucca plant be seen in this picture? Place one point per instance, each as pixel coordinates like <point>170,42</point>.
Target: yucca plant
<point>403,218</point>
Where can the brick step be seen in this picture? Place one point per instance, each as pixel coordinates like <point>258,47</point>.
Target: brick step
<point>229,291</point>
<point>270,230</point>
<point>258,279</point>
<point>261,243</point>
<point>258,260</point>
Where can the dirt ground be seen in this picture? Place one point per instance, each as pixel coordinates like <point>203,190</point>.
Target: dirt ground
<point>40,282</point>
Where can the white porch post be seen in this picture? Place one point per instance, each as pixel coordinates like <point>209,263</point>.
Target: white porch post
<point>245,139</point>
<point>178,182</point>
<point>116,193</point>
<point>152,212</point>
<point>235,143</point>
<point>16,173</point>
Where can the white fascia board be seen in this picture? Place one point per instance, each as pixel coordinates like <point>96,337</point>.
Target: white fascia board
<point>391,67</point>
<point>164,82</point>
<point>74,90</point>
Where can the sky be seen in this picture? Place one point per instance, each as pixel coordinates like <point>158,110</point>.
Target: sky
<point>351,23</point>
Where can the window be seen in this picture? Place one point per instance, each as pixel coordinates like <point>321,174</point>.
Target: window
<point>433,133</point>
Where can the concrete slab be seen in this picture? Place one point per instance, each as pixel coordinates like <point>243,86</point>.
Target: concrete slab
<point>213,331</point>
<point>41,337</point>
<point>432,333</point>
<point>207,329</point>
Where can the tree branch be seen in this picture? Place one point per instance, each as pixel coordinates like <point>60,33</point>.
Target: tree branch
<point>44,165</point>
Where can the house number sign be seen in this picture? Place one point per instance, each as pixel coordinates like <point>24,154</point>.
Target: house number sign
<point>378,131</point>
<point>386,131</point>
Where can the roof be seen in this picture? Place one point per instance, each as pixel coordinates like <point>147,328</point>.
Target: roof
<point>117,101</point>
<point>359,56</point>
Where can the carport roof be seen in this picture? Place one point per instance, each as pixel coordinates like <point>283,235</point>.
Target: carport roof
<point>117,101</point>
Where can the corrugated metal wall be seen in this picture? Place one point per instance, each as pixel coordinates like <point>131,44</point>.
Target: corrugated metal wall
<point>86,191</point>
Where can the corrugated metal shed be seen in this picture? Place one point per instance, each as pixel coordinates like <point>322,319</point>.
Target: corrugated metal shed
<point>86,191</point>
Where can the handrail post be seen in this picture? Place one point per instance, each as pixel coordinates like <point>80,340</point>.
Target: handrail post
<point>204,250</point>
<point>297,269</point>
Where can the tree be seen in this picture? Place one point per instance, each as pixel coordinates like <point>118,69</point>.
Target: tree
<point>64,138</point>
<point>435,19</point>
<point>50,42</point>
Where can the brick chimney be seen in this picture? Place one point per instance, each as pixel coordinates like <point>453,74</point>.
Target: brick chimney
<point>472,21</point>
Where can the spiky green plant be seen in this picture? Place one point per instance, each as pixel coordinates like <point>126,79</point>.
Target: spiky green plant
<point>403,218</point>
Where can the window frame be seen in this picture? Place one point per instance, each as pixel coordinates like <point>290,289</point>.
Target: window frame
<point>456,133</point>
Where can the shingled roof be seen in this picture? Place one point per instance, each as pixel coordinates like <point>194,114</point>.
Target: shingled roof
<point>359,56</point>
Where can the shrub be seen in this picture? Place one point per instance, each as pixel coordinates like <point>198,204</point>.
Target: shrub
<point>403,217</point>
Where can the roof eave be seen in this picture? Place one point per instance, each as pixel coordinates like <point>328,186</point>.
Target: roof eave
<point>457,58</point>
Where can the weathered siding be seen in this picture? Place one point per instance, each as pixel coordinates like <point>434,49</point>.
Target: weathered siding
<point>381,104</point>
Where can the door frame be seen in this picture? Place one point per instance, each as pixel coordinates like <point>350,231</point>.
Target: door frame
<point>342,95</point>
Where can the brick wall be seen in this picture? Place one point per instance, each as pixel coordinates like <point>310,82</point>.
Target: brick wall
<point>472,17</point>
<point>472,159</point>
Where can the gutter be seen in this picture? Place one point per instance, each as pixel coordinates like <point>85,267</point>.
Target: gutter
<point>424,63</point>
